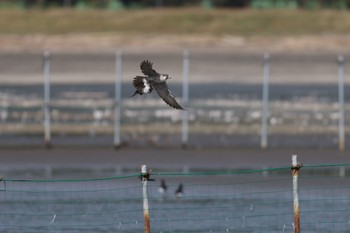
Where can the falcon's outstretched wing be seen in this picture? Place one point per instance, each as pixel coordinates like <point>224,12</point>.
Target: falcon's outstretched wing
<point>146,68</point>
<point>166,95</point>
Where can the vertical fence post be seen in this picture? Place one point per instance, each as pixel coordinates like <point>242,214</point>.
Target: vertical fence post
<point>265,110</point>
<point>145,178</point>
<point>117,99</point>
<point>185,98</point>
<point>47,122</point>
<point>295,169</point>
<point>341,102</point>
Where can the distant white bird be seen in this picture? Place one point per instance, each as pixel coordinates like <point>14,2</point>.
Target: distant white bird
<point>145,84</point>
<point>53,219</point>
<point>98,115</point>
<point>4,114</point>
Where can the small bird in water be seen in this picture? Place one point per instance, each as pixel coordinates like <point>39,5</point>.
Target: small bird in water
<point>162,188</point>
<point>145,84</point>
<point>179,191</point>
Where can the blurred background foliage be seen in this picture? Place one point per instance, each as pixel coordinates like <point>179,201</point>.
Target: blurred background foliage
<point>136,4</point>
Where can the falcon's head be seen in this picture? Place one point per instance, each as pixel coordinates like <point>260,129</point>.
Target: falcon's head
<point>164,77</point>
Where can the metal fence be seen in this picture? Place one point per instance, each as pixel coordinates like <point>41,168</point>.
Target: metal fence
<point>297,198</point>
<point>222,115</point>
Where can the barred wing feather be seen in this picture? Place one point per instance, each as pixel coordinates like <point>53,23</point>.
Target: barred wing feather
<point>166,95</point>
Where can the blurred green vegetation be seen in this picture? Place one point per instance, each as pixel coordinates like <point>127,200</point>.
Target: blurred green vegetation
<point>216,22</point>
<point>207,4</point>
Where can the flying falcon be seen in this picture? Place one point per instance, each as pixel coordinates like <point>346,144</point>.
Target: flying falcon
<point>154,80</point>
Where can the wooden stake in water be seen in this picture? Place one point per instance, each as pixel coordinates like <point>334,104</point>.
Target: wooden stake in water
<point>117,99</point>
<point>341,102</point>
<point>185,98</point>
<point>47,121</point>
<point>265,110</point>
<point>144,178</point>
<point>295,169</point>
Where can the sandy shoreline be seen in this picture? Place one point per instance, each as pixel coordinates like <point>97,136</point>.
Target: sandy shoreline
<point>109,42</point>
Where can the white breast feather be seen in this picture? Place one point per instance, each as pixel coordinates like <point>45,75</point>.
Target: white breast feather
<point>147,86</point>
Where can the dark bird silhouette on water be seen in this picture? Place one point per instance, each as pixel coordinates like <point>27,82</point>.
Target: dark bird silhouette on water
<point>179,191</point>
<point>162,188</point>
<point>154,80</point>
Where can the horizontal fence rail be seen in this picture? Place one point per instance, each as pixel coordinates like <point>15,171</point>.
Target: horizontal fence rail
<point>236,201</point>
<point>226,113</point>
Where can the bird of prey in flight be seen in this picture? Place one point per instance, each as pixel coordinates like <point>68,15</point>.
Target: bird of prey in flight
<point>154,80</point>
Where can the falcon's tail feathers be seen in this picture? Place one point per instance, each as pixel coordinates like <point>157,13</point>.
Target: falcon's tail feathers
<point>136,92</point>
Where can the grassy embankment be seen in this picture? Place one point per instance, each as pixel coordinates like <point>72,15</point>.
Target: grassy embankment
<point>175,21</point>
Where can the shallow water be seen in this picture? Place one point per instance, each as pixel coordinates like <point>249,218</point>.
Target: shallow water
<point>256,202</point>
